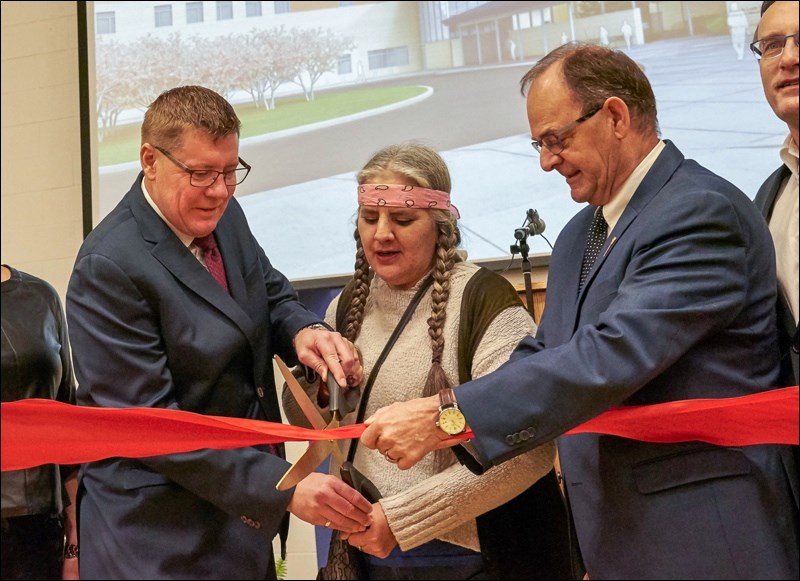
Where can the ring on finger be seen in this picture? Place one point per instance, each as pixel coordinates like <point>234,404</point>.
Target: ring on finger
<point>327,523</point>
<point>389,458</point>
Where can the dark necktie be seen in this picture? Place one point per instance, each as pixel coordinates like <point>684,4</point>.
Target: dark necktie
<point>594,242</point>
<point>213,259</point>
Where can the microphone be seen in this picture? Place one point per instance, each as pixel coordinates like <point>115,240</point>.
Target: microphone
<point>535,224</point>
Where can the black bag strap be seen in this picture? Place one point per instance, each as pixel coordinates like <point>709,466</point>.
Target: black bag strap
<point>409,312</point>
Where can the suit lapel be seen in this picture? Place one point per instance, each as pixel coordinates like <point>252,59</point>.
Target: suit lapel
<point>229,248</point>
<point>771,188</point>
<point>653,182</point>
<point>183,265</point>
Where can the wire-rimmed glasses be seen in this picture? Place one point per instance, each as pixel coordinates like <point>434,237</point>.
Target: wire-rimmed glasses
<point>552,141</point>
<point>203,178</point>
<point>772,46</point>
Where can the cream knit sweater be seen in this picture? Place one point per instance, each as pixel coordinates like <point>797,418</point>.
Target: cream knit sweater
<point>421,505</point>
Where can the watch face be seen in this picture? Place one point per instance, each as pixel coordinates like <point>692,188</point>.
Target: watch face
<point>452,421</point>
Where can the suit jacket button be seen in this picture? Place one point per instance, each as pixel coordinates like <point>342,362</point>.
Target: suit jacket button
<point>260,391</point>
<point>256,524</point>
<point>510,439</point>
<point>243,519</point>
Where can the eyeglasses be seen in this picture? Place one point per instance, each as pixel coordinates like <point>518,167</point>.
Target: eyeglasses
<point>203,178</point>
<point>772,46</point>
<point>552,141</point>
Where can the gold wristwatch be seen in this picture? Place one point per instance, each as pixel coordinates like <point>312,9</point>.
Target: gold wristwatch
<point>451,420</point>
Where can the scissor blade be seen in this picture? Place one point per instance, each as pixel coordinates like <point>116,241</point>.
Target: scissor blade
<point>316,452</point>
<point>335,450</point>
<point>310,411</point>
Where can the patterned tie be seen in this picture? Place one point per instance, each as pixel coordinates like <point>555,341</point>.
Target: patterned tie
<point>594,242</point>
<point>213,259</point>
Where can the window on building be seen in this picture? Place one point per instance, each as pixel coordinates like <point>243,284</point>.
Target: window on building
<point>522,21</point>
<point>105,23</point>
<point>281,7</point>
<point>541,17</point>
<point>344,66</point>
<point>194,12</point>
<point>344,3</point>
<point>431,15</point>
<point>163,15</point>
<point>388,57</point>
<point>253,8</point>
<point>224,10</point>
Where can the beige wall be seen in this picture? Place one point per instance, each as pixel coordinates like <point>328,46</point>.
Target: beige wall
<point>41,172</point>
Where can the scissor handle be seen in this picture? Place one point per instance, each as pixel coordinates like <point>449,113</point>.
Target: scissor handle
<point>341,402</point>
<point>336,396</point>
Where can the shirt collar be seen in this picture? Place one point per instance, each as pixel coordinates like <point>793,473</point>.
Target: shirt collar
<point>614,208</point>
<point>789,154</point>
<point>185,239</point>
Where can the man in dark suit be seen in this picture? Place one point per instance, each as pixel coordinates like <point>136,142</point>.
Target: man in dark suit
<point>173,304</point>
<point>775,46</point>
<point>677,305</point>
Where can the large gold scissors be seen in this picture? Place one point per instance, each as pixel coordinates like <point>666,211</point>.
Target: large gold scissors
<point>340,405</point>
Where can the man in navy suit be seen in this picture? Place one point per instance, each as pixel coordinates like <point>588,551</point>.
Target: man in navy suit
<point>775,46</point>
<point>678,305</point>
<point>156,320</point>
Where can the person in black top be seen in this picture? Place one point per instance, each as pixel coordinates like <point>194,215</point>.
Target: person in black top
<point>39,535</point>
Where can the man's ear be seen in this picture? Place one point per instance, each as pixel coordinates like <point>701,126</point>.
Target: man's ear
<point>147,156</point>
<point>620,115</point>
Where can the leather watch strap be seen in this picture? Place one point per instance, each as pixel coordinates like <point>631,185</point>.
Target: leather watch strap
<point>447,398</point>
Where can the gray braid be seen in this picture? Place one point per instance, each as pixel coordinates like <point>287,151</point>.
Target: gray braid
<point>358,300</point>
<point>442,270</point>
<point>446,257</point>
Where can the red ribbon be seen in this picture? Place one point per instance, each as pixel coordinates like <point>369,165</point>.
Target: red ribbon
<point>769,417</point>
<point>41,431</point>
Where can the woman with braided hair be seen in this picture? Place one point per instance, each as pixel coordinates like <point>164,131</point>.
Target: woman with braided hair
<point>437,520</point>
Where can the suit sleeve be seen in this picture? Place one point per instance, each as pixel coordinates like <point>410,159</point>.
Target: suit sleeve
<point>679,278</point>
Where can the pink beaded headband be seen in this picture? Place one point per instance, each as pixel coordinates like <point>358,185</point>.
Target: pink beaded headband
<point>398,196</point>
